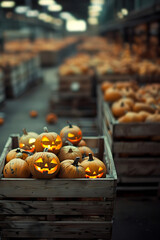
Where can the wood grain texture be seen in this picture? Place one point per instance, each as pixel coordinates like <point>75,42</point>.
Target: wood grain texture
<point>69,229</point>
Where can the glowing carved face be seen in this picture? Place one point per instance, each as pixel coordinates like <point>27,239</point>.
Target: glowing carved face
<point>28,144</point>
<point>52,144</point>
<point>74,137</point>
<point>45,167</point>
<point>95,173</point>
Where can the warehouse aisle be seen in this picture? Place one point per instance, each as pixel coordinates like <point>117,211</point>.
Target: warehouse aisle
<point>134,219</point>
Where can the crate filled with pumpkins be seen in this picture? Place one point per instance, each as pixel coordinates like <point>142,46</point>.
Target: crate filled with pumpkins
<point>130,115</point>
<point>59,178</point>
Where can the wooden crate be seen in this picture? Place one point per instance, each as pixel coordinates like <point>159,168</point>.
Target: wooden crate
<point>81,84</point>
<point>73,104</point>
<point>136,155</point>
<point>59,208</point>
<point>115,77</point>
<point>50,58</point>
<point>2,88</point>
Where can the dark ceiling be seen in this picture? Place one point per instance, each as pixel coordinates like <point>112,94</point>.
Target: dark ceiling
<point>79,8</point>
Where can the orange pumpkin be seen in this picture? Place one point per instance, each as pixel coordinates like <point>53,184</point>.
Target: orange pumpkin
<point>71,169</point>
<point>16,153</point>
<point>94,167</point>
<point>105,85</point>
<point>50,140</point>
<point>85,151</point>
<point>130,117</point>
<point>16,168</point>
<point>69,152</point>
<point>82,143</point>
<point>71,133</point>
<point>51,118</point>
<point>119,108</point>
<point>27,141</point>
<point>33,113</point>
<point>112,95</point>
<point>143,107</point>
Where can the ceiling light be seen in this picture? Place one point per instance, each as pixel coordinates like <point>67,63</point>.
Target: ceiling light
<point>94,13</point>
<point>95,8</point>
<point>55,8</point>
<point>92,21</point>
<point>76,26</point>
<point>66,15</point>
<point>32,13</point>
<point>7,4</point>
<point>97,2</point>
<point>124,11</point>
<point>21,9</point>
<point>46,2</point>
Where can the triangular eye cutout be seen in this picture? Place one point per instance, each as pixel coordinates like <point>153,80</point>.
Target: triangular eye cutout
<point>88,170</point>
<point>45,139</point>
<point>70,135</point>
<point>39,160</point>
<point>100,169</point>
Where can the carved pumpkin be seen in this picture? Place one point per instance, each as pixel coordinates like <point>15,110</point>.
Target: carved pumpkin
<point>51,118</point>
<point>112,94</point>
<point>82,143</point>
<point>85,151</point>
<point>71,169</point>
<point>50,140</point>
<point>94,167</point>
<point>119,108</point>
<point>69,152</point>
<point>71,133</point>
<point>16,153</point>
<point>16,168</point>
<point>27,141</point>
<point>43,165</point>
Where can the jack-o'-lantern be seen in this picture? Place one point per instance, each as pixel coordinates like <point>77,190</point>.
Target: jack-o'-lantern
<point>27,141</point>
<point>71,133</point>
<point>94,167</point>
<point>69,152</point>
<point>50,140</point>
<point>71,169</point>
<point>43,165</point>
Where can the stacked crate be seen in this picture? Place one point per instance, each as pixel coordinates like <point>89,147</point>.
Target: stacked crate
<point>75,96</point>
<point>2,89</point>
<point>135,148</point>
<point>63,208</point>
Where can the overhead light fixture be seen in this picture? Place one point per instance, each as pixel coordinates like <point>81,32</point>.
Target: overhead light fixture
<point>66,16</point>
<point>21,9</point>
<point>95,8</point>
<point>100,2</point>
<point>76,25</point>
<point>7,4</point>
<point>93,21</point>
<point>124,11</point>
<point>55,8</point>
<point>93,13</point>
<point>46,2</point>
<point>32,13</point>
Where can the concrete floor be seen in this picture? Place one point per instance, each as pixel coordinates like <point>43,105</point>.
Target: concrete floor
<point>135,218</point>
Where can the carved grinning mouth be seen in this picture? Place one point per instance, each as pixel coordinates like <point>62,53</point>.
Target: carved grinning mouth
<point>46,170</point>
<point>96,176</point>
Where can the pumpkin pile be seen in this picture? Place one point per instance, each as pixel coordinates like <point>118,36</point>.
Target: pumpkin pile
<point>131,103</point>
<point>49,155</point>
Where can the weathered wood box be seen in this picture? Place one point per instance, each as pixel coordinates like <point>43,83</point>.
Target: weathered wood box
<point>135,147</point>
<point>59,208</point>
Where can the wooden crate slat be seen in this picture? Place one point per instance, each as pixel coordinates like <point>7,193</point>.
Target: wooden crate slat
<point>136,147</point>
<point>62,188</point>
<point>78,208</point>
<point>69,229</point>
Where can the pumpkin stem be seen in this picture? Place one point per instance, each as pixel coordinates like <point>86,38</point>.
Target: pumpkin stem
<point>29,153</point>
<point>25,131</point>
<point>122,104</point>
<point>68,143</point>
<point>90,157</point>
<point>45,129</point>
<point>70,125</point>
<point>45,150</point>
<point>18,150</point>
<point>70,150</point>
<point>75,163</point>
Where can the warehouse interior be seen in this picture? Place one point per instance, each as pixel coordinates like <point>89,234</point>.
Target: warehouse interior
<point>94,64</point>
